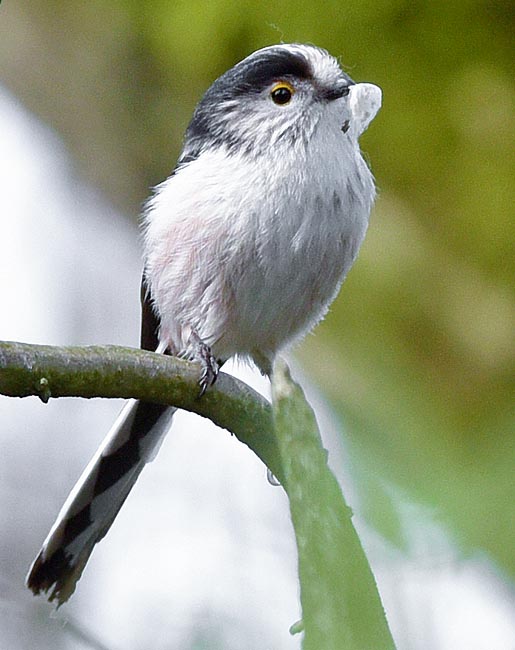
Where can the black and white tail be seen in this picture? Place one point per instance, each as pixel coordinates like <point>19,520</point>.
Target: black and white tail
<point>97,497</point>
<point>100,492</point>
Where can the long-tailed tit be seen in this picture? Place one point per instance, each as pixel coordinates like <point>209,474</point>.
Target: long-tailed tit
<point>246,246</point>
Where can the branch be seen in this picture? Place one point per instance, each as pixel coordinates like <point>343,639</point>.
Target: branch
<point>113,371</point>
<point>340,602</point>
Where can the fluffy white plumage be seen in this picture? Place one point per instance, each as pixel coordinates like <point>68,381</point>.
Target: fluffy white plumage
<point>249,247</point>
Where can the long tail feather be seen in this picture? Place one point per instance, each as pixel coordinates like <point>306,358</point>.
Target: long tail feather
<point>97,498</point>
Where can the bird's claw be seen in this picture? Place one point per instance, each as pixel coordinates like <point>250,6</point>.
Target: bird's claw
<point>209,367</point>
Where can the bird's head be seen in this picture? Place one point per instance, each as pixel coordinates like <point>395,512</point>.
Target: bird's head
<point>280,95</point>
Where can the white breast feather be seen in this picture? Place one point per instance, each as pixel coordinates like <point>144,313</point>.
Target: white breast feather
<point>251,257</point>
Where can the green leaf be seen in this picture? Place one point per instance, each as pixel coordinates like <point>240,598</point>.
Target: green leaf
<point>340,601</point>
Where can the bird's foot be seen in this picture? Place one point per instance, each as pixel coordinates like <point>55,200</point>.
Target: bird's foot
<point>209,365</point>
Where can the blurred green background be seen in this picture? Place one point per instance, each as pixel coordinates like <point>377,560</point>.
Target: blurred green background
<point>417,353</point>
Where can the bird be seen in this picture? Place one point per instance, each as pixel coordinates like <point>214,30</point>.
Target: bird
<point>245,247</point>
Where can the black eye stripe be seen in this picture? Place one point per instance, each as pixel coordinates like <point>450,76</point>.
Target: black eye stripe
<point>273,64</point>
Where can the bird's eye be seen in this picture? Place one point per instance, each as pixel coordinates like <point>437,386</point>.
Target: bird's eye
<point>282,93</point>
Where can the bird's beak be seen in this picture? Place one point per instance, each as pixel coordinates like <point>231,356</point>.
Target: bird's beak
<point>364,102</point>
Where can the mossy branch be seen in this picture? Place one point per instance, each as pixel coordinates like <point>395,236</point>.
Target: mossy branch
<point>340,602</point>
<point>113,371</point>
